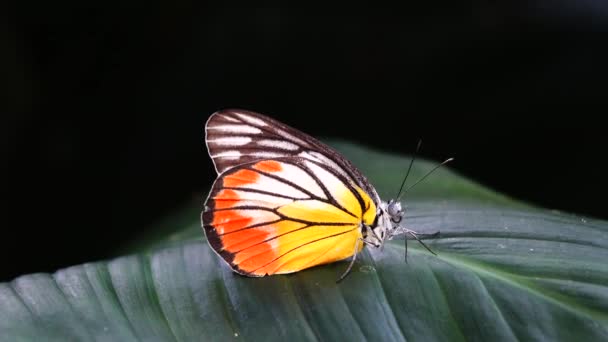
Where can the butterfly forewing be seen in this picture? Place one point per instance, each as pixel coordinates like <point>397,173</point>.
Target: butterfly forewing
<point>284,214</point>
<point>237,136</point>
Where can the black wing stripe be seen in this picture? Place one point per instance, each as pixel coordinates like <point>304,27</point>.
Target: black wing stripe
<point>270,193</point>
<point>278,236</point>
<point>262,192</point>
<point>259,224</point>
<point>282,216</point>
<point>308,225</point>
<point>330,199</point>
<point>290,183</point>
<point>345,182</point>
<point>303,245</point>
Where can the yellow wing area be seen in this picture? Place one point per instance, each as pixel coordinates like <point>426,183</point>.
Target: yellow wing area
<point>262,232</point>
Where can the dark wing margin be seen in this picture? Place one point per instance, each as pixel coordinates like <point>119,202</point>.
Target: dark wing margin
<point>236,136</point>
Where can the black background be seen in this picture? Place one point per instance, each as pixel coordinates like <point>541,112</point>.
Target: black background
<point>106,105</point>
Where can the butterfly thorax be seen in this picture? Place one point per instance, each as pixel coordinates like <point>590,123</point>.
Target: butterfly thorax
<point>386,225</point>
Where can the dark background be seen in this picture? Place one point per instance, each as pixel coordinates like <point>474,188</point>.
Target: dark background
<point>106,105</point>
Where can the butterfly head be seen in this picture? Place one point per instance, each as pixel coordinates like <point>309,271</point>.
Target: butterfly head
<point>389,216</point>
<point>395,212</point>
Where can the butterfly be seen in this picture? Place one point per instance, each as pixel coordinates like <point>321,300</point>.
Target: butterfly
<point>284,201</point>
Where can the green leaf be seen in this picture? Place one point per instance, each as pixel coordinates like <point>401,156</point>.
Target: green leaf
<point>504,271</point>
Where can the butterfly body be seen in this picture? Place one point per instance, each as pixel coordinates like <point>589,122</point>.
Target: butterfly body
<point>283,201</point>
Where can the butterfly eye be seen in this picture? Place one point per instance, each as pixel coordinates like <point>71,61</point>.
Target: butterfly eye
<point>394,209</point>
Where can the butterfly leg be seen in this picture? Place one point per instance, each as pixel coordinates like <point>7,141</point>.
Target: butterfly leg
<point>417,236</point>
<point>352,261</point>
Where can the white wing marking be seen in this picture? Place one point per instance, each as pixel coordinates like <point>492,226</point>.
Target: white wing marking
<point>231,141</point>
<point>301,178</point>
<point>280,144</point>
<point>227,154</point>
<point>263,154</point>
<point>242,129</point>
<point>251,119</point>
<point>321,158</point>
<point>227,118</point>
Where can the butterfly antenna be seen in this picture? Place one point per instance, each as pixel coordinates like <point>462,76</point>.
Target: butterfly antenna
<point>428,174</point>
<point>410,167</point>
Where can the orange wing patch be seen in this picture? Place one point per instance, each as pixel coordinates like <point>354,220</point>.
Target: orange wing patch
<point>227,221</point>
<point>278,216</point>
<point>240,178</point>
<point>268,166</point>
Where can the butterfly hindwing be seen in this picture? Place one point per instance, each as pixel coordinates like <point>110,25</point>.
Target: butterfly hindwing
<point>285,214</point>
